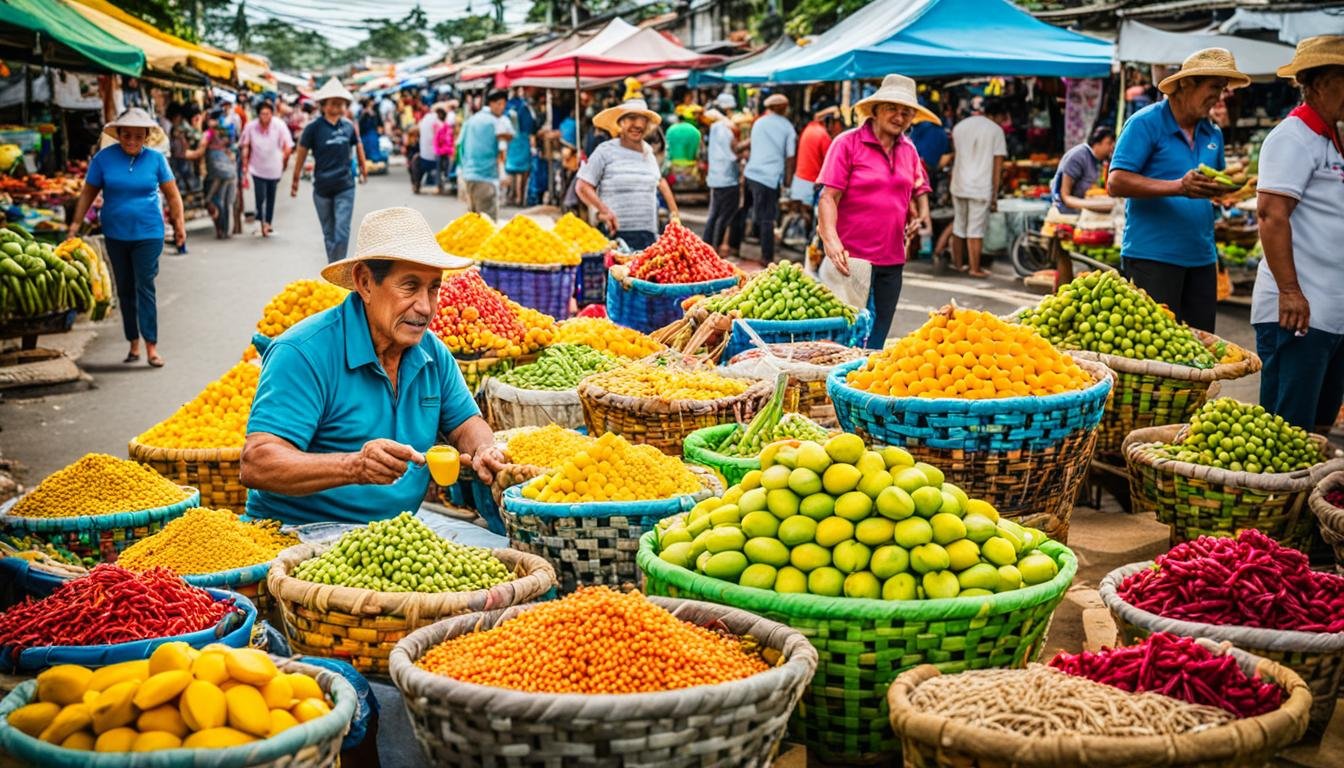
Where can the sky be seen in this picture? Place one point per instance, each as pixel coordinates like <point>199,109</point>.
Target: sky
<point>340,20</point>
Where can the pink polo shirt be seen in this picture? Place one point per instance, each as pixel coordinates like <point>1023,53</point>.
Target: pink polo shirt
<point>878,187</point>
<point>267,159</point>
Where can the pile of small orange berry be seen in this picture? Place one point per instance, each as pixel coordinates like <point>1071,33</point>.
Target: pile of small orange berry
<point>596,640</point>
<point>215,418</point>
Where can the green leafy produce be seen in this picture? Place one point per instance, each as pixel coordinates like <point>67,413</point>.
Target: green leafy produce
<point>403,555</point>
<point>561,366</point>
<point>790,426</point>
<point>35,280</point>
<point>1231,435</point>
<point>1106,313</point>
<point>782,292</point>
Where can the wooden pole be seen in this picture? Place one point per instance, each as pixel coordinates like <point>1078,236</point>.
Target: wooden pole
<point>578,110</point>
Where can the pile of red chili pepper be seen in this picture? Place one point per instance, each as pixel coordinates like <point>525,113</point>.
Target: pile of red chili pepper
<point>1249,581</point>
<point>1178,667</point>
<point>111,605</point>
<point>679,256</point>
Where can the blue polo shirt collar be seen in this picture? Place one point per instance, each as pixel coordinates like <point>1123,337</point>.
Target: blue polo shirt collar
<point>359,343</point>
<point>1203,128</point>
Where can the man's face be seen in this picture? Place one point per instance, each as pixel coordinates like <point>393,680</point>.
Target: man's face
<point>497,107</point>
<point>401,306</point>
<point>893,118</point>
<point>1204,92</point>
<point>264,115</point>
<point>1327,94</point>
<point>633,127</point>
<point>333,109</point>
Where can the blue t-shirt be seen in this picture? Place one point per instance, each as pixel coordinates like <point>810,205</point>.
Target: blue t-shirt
<point>569,131</point>
<point>1080,165</point>
<point>1176,230</point>
<point>330,145</point>
<point>130,185</point>
<point>323,390</point>
<point>773,141</point>
<point>931,142</point>
<point>479,151</point>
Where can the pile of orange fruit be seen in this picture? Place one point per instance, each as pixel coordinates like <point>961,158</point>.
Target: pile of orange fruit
<point>971,355</point>
<point>465,234</point>
<point>580,234</point>
<point>215,418</point>
<point>298,300</point>
<point>523,241</point>
<point>603,335</point>
<point>596,640</point>
<point>474,319</point>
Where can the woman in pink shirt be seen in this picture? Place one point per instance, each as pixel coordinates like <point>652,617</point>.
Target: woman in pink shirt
<point>871,177</point>
<point>266,148</point>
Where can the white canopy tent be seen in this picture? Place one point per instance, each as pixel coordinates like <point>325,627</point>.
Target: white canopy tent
<point>1142,44</point>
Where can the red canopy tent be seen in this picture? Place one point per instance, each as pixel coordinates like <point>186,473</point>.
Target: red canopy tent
<point>618,50</point>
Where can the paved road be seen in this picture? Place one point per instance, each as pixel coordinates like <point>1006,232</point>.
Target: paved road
<point>210,299</point>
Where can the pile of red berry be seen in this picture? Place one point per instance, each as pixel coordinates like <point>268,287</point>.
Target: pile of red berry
<point>679,256</point>
<point>473,317</point>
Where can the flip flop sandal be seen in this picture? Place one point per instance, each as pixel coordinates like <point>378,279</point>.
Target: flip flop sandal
<point>131,358</point>
<point>155,362</point>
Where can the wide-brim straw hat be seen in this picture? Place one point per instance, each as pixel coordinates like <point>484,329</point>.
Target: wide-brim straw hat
<point>609,119</point>
<point>398,234</point>
<point>1319,51</point>
<point>332,89</point>
<point>1210,62</point>
<point>136,117</point>
<point>896,89</point>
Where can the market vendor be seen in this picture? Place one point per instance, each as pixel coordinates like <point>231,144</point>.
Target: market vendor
<point>350,399</point>
<point>1168,248</point>
<point>1079,170</point>
<point>622,179</point>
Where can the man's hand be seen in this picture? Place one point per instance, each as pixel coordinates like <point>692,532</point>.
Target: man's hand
<point>1196,184</point>
<point>179,236</point>
<point>608,216</point>
<point>1294,312</point>
<point>294,189</point>
<point>383,462</point>
<point>994,204</point>
<point>485,463</point>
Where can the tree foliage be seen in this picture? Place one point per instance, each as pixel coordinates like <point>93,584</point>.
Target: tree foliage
<point>467,29</point>
<point>810,16</point>
<point>290,49</point>
<point>395,39</point>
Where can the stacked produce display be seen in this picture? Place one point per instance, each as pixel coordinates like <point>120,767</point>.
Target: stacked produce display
<point>37,279</point>
<point>679,256</point>
<point>475,319</point>
<point>215,418</point>
<point>603,335</point>
<point>560,366</point>
<point>547,446</point>
<point>612,469</point>
<point>781,292</point>
<point>580,235</point>
<point>523,241</point>
<point>667,383</point>
<point>1228,434</point>
<point>207,541</point>
<point>465,234</point>
<point>299,299</point>
<point>98,484</point>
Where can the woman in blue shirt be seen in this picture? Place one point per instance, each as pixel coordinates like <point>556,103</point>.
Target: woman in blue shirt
<point>130,177</point>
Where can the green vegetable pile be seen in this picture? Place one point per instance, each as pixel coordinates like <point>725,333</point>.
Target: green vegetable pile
<point>770,424</point>
<point>1108,314</point>
<point>561,366</point>
<point>403,555</point>
<point>782,292</point>
<point>1231,435</point>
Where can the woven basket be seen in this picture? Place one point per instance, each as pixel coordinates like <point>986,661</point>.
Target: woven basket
<point>250,582</point>
<point>360,626</point>
<point>647,306</point>
<point>1149,393</point>
<point>1196,500</point>
<point>929,740</point>
<point>1025,455</point>
<point>732,469</point>
<point>835,329</point>
<point>810,378</point>
<point>1317,656</point>
<point>215,471</point>
<point>863,644</point>
<point>661,423</point>
<point>1329,518</point>
<point>314,743</point>
<point>546,288</point>
<point>476,369</point>
<point>590,283</point>
<point>738,723</point>
<point>98,538</point>
<point>595,542</point>
<point>510,407</point>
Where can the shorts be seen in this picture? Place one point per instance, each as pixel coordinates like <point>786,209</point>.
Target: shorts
<point>970,218</point>
<point>483,197</point>
<point>803,191</point>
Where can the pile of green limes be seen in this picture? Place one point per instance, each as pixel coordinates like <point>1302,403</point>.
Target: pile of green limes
<point>1231,435</point>
<point>782,292</point>
<point>561,366</point>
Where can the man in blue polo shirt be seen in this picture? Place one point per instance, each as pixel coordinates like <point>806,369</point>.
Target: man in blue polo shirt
<point>351,398</point>
<point>1168,247</point>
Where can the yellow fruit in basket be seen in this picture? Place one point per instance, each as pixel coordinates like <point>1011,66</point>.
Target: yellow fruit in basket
<point>215,418</point>
<point>153,741</point>
<point>162,688</point>
<point>116,740</point>
<point>106,677</point>
<point>114,708</point>
<point>165,718</point>
<point>278,693</point>
<point>546,446</point>
<point>217,738</point>
<point>247,710</point>
<point>250,665</point>
<point>612,469</point>
<point>281,721</point>
<point>80,740</point>
<point>33,719</point>
<point>203,706</point>
<point>211,666</point>
<point>98,484</point>
<point>303,686</point>
<point>171,656</point>
<point>75,717</point>
<point>580,234</point>
<point>310,709</point>
<point>299,299</point>
<point>644,380</point>
<point>604,335</point>
<point>523,241</point>
<point>465,234</point>
<point>63,684</point>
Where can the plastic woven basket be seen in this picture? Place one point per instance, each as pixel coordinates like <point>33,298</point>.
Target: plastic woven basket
<point>660,423</point>
<point>647,306</point>
<point>215,471</point>
<point>1025,455</point>
<point>97,537</point>
<point>732,469</point>
<point>1318,657</point>
<point>546,288</point>
<point>316,742</point>
<point>591,543</point>
<point>835,329</point>
<point>1329,518</point>
<point>360,626</point>
<point>1196,500</point>
<point>929,740</point>
<point>863,644</point>
<point>737,723</point>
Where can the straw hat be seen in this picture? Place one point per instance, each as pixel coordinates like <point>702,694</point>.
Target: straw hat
<point>1210,62</point>
<point>776,100</point>
<point>896,89</point>
<point>400,234</point>
<point>332,89</point>
<point>136,117</point>
<point>609,119</point>
<point>1312,52</point>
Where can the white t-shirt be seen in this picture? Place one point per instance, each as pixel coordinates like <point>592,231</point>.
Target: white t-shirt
<point>428,125</point>
<point>977,140</point>
<point>1298,163</point>
<point>627,181</point>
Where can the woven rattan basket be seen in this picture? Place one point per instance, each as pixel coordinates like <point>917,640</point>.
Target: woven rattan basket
<point>510,407</point>
<point>738,723</point>
<point>798,361</point>
<point>1196,500</point>
<point>863,644</point>
<point>361,626</point>
<point>215,471</point>
<point>1329,518</point>
<point>664,424</point>
<point>934,741</point>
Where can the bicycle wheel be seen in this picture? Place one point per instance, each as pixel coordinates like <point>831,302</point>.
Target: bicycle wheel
<point>1029,258</point>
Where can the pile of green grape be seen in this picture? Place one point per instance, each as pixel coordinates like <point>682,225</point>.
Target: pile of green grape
<point>1231,435</point>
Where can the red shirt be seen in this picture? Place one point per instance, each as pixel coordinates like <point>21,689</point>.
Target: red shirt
<point>878,187</point>
<point>812,146</point>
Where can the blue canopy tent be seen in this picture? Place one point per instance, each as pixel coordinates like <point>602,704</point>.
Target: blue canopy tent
<point>928,38</point>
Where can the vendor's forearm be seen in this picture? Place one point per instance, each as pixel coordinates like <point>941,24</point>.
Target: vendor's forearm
<point>472,435</point>
<point>1129,184</point>
<point>174,198</point>
<point>86,197</point>
<point>998,175</point>
<point>827,215</point>
<point>588,194</point>
<point>272,464</point>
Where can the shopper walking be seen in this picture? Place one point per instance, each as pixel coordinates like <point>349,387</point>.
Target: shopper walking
<point>774,145</point>
<point>1297,307</point>
<point>130,177</point>
<point>445,142</point>
<point>522,143</point>
<point>622,179</point>
<point>478,155</point>
<point>874,195</point>
<point>977,171</point>
<point>221,173</point>
<point>330,138</point>
<point>266,149</point>
<point>723,172</point>
<point>1168,247</point>
<point>427,166</point>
